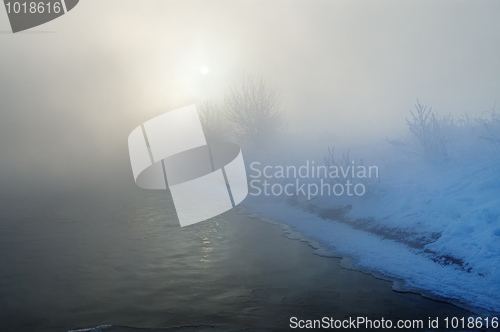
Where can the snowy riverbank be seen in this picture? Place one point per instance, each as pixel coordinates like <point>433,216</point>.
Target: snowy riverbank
<point>437,227</point>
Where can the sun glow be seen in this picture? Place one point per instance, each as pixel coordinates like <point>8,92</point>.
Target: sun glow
<point>204,70</point>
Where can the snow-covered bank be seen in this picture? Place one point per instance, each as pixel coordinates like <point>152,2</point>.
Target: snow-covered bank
<point>388,257</point>
<point>437,227</point>
<point>430,214</point>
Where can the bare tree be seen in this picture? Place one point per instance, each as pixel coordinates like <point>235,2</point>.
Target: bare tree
<point>427,129</point>
<point>214,120</point>
<point>254,110</point>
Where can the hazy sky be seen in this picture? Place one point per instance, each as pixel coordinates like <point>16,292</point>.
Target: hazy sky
<point>72,90</point>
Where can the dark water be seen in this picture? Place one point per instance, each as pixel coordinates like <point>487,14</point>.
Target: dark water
<point>79,261</point>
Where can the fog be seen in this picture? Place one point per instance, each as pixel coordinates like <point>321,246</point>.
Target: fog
<point>73,89</point>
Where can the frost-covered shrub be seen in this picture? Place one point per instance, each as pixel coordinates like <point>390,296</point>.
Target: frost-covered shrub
<point>468,135</point>
<point>214,119</point>
<point>437,139</point>
<point>427,129</point>
<point>254,110</point>
<point>346,165</point>
<point>491,132</point>
<point>250,113</point>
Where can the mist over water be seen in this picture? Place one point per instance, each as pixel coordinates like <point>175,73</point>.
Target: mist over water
<point>349,72</point>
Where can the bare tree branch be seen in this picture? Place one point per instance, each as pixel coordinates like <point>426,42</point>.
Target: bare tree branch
<point>254,110</point>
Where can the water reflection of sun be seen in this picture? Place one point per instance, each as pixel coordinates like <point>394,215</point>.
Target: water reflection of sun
<point>208,246</point>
